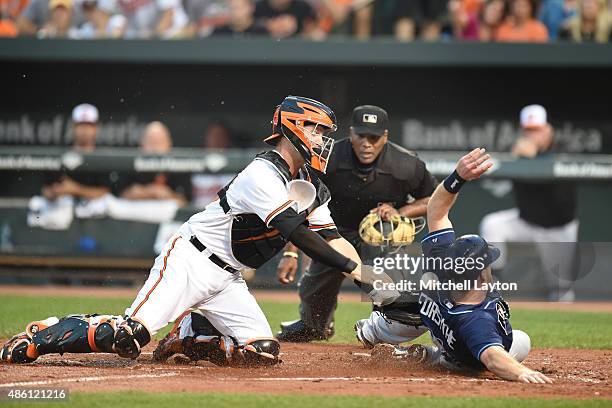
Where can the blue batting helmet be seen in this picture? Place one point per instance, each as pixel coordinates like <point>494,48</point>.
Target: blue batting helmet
<point>475,254</point>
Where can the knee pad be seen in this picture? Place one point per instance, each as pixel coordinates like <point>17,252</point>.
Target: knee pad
<point>129,339</point>
<point>261,352</point>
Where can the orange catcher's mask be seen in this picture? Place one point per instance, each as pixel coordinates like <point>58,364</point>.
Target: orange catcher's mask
<point>307,124</point>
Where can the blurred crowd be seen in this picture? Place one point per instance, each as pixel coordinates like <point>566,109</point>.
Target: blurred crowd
<point>147,197</point>
<point>406,20</point>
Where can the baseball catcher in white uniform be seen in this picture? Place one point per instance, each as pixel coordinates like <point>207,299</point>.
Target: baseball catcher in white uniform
<point>277,198</point>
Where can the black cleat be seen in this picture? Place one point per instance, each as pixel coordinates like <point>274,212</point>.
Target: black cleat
<point>297,332</point>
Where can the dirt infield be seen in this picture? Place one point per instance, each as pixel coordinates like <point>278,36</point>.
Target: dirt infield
<point>308,369</point>
<point>313,369</point>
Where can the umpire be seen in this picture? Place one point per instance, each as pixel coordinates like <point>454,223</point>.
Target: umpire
<point>366,173</point>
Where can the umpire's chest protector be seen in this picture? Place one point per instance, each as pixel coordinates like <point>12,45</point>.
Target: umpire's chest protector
<point>252,242</point>
<point>354,195</point>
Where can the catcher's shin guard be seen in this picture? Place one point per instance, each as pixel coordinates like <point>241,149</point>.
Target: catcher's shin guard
<point>76,334</point>
<point>70,334</point>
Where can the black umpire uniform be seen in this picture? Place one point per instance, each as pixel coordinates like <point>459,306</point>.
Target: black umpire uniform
<point>395,177</point>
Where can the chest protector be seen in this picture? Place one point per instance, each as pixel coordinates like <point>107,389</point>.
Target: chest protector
<point>253,244</point>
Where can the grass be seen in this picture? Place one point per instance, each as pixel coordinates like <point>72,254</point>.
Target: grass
<point>547,328</point>
<point>134,399</point>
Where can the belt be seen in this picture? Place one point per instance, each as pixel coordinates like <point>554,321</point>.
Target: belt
<point>214,258</point>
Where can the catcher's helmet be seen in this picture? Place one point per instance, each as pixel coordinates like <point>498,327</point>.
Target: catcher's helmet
<point>474,247</point>
<point>290,119</point>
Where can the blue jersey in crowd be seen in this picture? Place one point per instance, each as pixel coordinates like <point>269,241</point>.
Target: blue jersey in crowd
<point>464,331</point>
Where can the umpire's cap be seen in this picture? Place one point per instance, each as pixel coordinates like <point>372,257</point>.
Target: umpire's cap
<point>370,119</point>
<point>473,247</point>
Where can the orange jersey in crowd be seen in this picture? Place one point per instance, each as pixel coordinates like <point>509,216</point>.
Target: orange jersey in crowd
<point>9,11</point>
<point>12,8</point>
<point>531,31</point>
<point>471,6</point>
<point>326,20</point>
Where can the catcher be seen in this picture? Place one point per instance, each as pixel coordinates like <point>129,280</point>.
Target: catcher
<point>467,318</point>
<point>368,176</point>
<point>277,198</point>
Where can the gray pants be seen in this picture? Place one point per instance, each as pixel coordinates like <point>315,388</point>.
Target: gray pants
<point>320,284</point>
<point>318,289</point>
<point>553,244</point>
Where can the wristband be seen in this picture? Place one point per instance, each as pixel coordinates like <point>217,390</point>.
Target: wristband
<point>453,183</point>
<point>291,254</point>
<point>350,266</point>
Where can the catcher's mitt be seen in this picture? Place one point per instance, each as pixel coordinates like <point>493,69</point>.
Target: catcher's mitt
<point>399,230</point>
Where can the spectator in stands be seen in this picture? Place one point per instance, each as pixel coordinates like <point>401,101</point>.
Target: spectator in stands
<point>363,25</point>
<point>60,20</point>
<point>521,25</point>
<point>545,212</point>
<point>9,11</point>
<point>217,136</point>
<point>156,139</point>
<point>155,18</point>
<point>400,18</point>
<point>464,19</point>
<point>423,16</point>
<point>378,18</point>
<point>102,21</point>
<point>242,20</point>
<point>286,18</point>
<point>592,24</point>
<point>492,16</point>
<point>206,186</point>
<point>205,16</point>
<point>86,185</point>
<point>334,15</point>
<point>555,13</point>
<point>33,17</point>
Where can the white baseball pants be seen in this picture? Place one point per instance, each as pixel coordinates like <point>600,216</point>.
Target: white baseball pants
<point>183,277</point>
